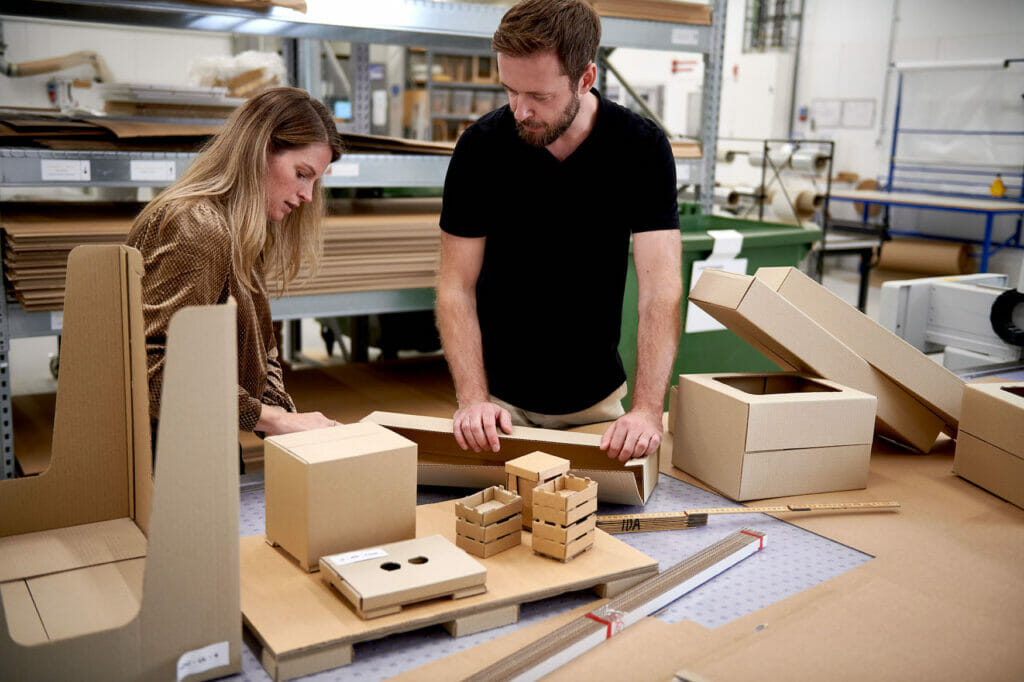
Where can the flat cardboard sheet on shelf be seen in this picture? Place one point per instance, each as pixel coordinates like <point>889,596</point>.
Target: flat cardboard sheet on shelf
<point>298,620</point>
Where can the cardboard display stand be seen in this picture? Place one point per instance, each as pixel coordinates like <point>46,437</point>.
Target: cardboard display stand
<point>443,462</point>
<point>105,571</point>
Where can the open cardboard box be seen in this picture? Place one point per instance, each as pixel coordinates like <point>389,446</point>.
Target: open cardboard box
<point>105,572</point>
<point>443,462</point>
<point>762,317</point>
<point>990,447</point>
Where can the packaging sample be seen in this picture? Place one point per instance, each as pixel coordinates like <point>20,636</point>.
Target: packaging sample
<point>339,489</point>
<point>489,521</point>
<point>105,571</point>
<point>940,390</point>
<point>752,436</point>
<point>990,446</point>
<point>443,462</point>
<point>381,580</point>
<point>527,472</point>
<point>778,329</point>
<point>564,517</point>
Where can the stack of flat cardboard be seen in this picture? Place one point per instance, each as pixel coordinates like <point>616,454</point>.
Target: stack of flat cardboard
<point>655,10</point>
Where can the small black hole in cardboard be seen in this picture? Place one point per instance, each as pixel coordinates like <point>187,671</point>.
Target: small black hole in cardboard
<point>390,566</point>
<point>418,560</point>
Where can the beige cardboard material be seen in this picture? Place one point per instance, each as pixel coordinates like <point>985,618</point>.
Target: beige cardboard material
<point>443,462</point>
<point>527,472</point>
<point>565,493</point>
<point>761,316</point>
<point>556,532</point>
<point>562,516</point>
<point>752,436</point>
<point>408,572</point>
<point>298,620</point>
<point>488,549</point>
<point>489,506</point>
<point>338,489</point>
<point>124,626</point>
<point>488,533</point>
<point>931,383</point>
<point>990,446</point>
<point>561,551</point>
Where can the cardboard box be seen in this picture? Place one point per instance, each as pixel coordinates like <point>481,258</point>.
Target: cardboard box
<point>564,517</point>
<point>752,436</point>
<point>527,472</point>
<point>489,521</point>
<point>767,321</point>
<point>105,571</point>
<point>990,447</point>
<point>563,496</point>
<point>443,462</point>
<point>339,489</point>
<point>940,390</point>
<point>381,580</point>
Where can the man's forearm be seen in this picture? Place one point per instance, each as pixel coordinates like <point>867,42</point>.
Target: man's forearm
<point>460,336</point>
<point>657,339</point>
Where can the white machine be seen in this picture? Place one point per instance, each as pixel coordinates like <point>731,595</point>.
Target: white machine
<point>974,319</point>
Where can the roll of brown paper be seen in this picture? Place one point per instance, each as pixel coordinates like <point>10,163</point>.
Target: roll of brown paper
<point>926,257</point>
<point>874,209</point>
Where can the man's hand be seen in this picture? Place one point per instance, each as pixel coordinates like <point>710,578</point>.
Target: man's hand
<point>634,434</point>
<point>476,426</point>
<point>275,421</point>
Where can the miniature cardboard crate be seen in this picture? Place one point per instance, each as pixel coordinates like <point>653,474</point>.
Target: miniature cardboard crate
<point>790,338</point>
<point>564,552</point>
<point>339,489</point>
<point>379,581</point>
<point>489,521</point>
<point>753,436</point>
<point>109,570</point>
<point>556,532</point>
<point>562,499</point>
<point>527,472</point>
<point>990,445</point>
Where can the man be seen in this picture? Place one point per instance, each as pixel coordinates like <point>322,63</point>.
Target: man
<point>540,201</point>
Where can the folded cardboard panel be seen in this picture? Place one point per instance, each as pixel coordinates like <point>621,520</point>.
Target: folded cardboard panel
<point>931,383</point>
<point>87,606</point>
<point>762,317</point>
<point>443,462</point>
<point>339,489</point>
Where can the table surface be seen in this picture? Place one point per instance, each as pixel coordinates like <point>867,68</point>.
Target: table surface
<point>932,200</point>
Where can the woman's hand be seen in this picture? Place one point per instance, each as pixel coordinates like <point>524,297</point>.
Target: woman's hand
<point>275,421</point>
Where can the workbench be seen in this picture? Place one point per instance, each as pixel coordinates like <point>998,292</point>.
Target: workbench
<point>986,207</point>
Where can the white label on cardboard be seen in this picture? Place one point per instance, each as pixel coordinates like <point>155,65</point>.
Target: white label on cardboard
<point>356,556</point>
<point>727,244</point>
<point>341,169</point>
<point>65,170</point>
<point>147,171</point>
<point>200,660</point>
<point>56,320</point>
<point>685,36</point>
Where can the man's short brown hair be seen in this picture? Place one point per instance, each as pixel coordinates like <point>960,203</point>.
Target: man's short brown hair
<point>569,27</point>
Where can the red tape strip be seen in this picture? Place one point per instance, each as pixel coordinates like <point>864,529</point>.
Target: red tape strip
<point>755,535</point>
<point>607,624</point>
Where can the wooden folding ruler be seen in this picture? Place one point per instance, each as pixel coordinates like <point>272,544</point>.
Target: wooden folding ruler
<point>554,650</point>
<point>691,518</point>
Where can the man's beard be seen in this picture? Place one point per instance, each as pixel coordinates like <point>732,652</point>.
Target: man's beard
<point>550,133</point>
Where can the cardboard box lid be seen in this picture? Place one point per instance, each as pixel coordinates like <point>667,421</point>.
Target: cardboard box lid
<point>934,385</point>
<point>537,466</point>
<point>994,413</point>
<point>341,442</point>
<point>788,410</point>
<point>762,317</point>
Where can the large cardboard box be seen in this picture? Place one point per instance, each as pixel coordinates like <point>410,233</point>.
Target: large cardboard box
<point>106,572</point>
<point>778,329</point>
<point>990,447</point>
<point>753,436</point>
<point>338,489</point>
<point>940,390</point>
<point>443,462</point>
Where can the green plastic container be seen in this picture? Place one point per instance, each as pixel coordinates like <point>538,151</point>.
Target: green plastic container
<point>764,245</point>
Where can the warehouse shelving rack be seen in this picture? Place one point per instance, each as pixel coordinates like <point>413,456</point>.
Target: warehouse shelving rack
<point>444,26</point>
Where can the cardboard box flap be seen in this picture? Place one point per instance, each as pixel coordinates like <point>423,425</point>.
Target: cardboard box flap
<point>437,445</point>
<point>768,321</point>
<point>65,549</point>
<point>994,413</point>
<point>934,385</point>
<point>298,439</point>
<point>357,439</point>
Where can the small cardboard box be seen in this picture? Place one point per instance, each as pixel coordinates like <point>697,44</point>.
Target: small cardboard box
<point>381,580</point>
<point>108,572</point>
<point>489,521</point>
<point>564,496</point>
<point>792,340</point>
<point>443,462</point>
<point>527,472</point>
<point>752,436</point>
<point>939,389</point>
<point>338,489</point>
<point>990,446</point>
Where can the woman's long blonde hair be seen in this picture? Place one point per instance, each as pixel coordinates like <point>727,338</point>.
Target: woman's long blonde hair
<point>231,170</point>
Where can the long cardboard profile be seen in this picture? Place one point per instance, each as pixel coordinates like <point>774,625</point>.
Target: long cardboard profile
<point>443,462</point>
<point>107,572</point>
<point>940,390</point>
<point>766,320</point>
<point>990,448</point>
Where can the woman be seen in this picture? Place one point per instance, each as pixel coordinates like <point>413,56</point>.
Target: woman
<point>248,207</point>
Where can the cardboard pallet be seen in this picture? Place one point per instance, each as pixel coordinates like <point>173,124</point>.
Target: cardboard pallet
<point>300,626</point>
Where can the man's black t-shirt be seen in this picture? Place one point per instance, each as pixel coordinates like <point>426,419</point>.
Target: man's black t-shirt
<point>549,296</point>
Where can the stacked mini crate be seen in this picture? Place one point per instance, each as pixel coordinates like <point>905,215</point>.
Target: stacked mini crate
<point>564,517</point>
